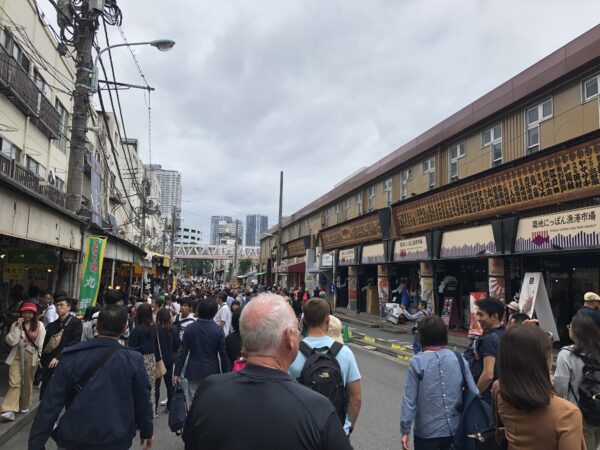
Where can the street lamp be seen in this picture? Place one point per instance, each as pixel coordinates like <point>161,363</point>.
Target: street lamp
<point>163,45</point>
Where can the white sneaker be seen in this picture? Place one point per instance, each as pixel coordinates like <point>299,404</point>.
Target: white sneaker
<point>163,403</point>
<point>24,411</point>
<point>8,416</point>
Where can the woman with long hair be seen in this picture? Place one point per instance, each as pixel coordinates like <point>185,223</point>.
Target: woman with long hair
<point>164,327</point>
<point>432,400</point>
<point>570,364</point>
<point>143,339</point>
<point>532,415</point>
<point>26,338</point>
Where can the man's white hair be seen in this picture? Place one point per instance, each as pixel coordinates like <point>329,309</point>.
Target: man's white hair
<point>263,322</point>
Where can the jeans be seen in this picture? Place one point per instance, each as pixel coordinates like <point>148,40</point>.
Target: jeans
<point>443,443</point>
<point>168,377</point>
<point>416,343</point>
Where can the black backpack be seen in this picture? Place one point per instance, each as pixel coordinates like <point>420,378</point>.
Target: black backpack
<point>589,392</point>
<point>322,374</point>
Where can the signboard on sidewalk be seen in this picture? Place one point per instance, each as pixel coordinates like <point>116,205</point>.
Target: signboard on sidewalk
<point>447,310</point>
<point>534,299</point>
<point>91,271</point>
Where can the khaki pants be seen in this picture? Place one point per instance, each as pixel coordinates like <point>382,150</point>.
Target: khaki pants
<point>18,396</point>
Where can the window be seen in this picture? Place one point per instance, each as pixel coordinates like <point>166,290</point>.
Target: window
<point>590,88</point>
<point>337,213</point>
<point>327,214</point>
<point>371,198</point>
<point>347,208</point>
<point>13,49</point>
<point>405,177</point>
<point>61,143</point>
<point>42,85</point>
<point>359,205</point>
<point>9,149</point>
<point>534,117</point>
<point>387,189</point>
<point>455,153</point>
<point>429,170</point>
<point>493,137</point>
<point>35,167</point>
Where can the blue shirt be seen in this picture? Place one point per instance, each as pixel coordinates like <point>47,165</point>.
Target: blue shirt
<point>345,358</point>
<point>432,399</point>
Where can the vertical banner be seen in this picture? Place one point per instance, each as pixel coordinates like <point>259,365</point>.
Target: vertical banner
<point>534,298</point>
<point>474,327</point>
<point>497,288</point>
<point>383,287</point>
<point>447,310</point>
<point>91,271</point>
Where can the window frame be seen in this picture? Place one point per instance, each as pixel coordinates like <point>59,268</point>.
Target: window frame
<point>454,160</point>
<point>359,203</point>
<point>430,171</point>
<point>347,205</point>
<point>405,177</point>
<point>536,124</point>
<point>63,139</point>
<point>36,167</point>
<point>371,194</point>
<point>15,152</point>
<point>584,97</point>
<point>388,186</point>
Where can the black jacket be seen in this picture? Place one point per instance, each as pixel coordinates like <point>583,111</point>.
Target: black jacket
<point>71,336</point>
<point>105,413</point>
<point>204,341</point>
<point>271,412</point>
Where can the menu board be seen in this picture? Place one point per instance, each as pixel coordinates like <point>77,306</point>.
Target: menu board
<point>547,179</point>
<point>362,230</point>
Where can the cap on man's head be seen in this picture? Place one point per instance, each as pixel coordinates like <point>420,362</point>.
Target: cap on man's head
<point>591,297</point>
<point>335,329</point>
<point>513,306</point>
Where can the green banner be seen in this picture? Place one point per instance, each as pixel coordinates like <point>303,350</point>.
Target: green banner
<point>91,271</point>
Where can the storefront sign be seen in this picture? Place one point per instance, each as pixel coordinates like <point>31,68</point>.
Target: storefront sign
<point>383,288</point>
<point>447,310</point>
<point>427,292</point>
<point>579,228</point>
<point>39,257</point>
<point>373,254</point>
<point>358,231</point>
<point>476,241</point>
<point>548,179</point>
<point>327,259</point>
<point>413,249</point>
<point>497,287</point>
<point>534,299</point>
<point>347,257</point>
<point>495,267</point>
<point>426,269</point>
<point>294,248</point>
<point>352,287</point>
<point>91,271</point>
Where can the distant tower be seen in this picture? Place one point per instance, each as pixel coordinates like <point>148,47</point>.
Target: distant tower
<point>256,225</point>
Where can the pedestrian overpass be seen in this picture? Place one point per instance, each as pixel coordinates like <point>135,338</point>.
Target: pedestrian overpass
<point>218,252</point>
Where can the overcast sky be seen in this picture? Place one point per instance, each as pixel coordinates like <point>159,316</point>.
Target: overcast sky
<point>316,88</point>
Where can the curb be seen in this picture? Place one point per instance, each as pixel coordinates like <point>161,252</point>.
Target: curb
<point>18,425</point>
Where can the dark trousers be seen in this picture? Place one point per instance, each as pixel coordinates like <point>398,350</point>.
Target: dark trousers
<point>168,377</point>
<point>443,443</point>
<point>46,375</point>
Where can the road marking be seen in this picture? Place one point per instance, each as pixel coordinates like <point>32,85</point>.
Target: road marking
<point>369,339</point>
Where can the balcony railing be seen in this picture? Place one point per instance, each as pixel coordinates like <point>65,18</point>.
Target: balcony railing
<point>11,169</point>
<point>20,89</point>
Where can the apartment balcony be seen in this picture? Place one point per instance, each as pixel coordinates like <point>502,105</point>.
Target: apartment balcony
<point>20,89</point>
<point>9,168</point>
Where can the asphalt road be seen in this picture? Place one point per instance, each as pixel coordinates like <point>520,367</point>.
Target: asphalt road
<point>378,423</point>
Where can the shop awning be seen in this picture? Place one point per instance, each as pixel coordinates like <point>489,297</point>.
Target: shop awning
<point>320,269</point>
<point>246,275</point>
<point>292,268</point>
<point>260,274</point>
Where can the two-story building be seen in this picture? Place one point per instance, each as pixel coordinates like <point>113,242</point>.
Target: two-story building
<point>507,185</point>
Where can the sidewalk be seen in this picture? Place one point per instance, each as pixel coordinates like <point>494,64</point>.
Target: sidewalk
<point>456,338</point>
<point>9,429</point>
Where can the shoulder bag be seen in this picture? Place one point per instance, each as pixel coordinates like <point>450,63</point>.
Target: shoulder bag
<point>160,369</point>
<point>55,339</point>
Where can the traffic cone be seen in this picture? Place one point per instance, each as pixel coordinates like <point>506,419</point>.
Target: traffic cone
<point>345,334</point>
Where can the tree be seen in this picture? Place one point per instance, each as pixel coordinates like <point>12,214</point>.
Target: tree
<point>244,265</point>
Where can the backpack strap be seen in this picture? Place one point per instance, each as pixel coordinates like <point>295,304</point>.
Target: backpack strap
<point>335,348</point>
<point>91,371</point>
<point>306,349</point>
<point>461,363</point>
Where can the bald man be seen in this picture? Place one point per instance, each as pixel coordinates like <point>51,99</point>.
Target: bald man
<point>270,409</point>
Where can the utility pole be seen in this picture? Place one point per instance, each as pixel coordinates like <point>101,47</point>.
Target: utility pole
<point>85,27</point>
<point>280,228</point>
<point>174,214</point>
<point>235,251</point>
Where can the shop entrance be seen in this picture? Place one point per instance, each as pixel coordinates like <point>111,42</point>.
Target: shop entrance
<point>367,285</point>
<point>456,280</point>
<point>407,274</point>
<point>341,283</point>
<point>567,279</point>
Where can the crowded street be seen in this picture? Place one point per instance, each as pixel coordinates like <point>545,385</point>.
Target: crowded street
<point>379,421</point>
